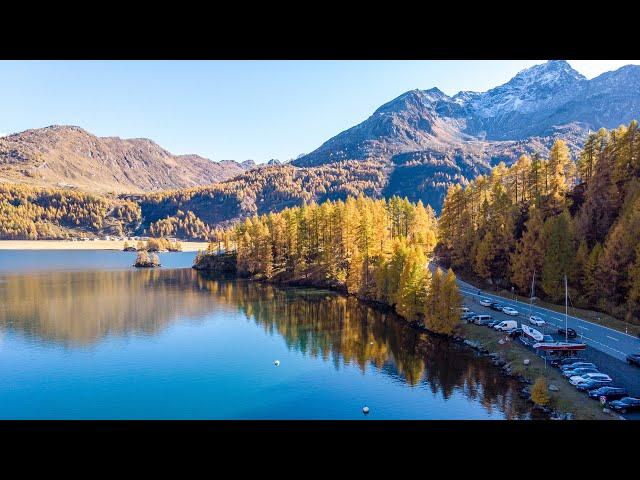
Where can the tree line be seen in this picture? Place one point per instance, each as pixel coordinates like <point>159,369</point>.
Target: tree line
<point>377,250</point>
<point>554,217</point>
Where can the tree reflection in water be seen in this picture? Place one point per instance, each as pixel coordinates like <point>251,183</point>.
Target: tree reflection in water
<point>81,308</point>
<point>346,331</point>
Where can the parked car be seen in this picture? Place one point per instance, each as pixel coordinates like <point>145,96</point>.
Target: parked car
<point>571,333</point>
<point>625,404</point>
<point>485,302</point>
<point>510,311</point>
<point>591,385</point>
<point>580,371</point>
<point>482,319</point>
<point>590,376</point>
<point>536,320</point>
<point>606,394</point>
<point>497,306</point>
<point>570,360</point>
<point>560,362</point>
<point>464,310</point>
<point>633,359</point>
<point>516,332</point>
<point>506,325</point>
<point>575,365</point>
<point>468,315</point>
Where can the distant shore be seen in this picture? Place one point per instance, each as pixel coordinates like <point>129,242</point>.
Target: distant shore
<point>89,245</point>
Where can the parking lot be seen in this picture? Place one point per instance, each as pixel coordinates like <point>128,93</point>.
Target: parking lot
<point>623,374</point>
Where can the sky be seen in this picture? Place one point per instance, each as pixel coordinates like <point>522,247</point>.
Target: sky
<point>236,110</point>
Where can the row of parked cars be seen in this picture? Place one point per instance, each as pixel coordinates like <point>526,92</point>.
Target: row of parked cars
<point>599,386</point>
<point>488,320</point>
<point>498,307</point>
<point>584,375</point>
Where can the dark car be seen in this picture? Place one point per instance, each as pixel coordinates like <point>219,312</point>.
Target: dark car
<point>591,385</point>
<point>497,306</point>
<point>570,332</point>
<point>607,394</point>
<point>625,404</point>
<point>633,359</point>
<point>516,332</point>
<point>561,361</point>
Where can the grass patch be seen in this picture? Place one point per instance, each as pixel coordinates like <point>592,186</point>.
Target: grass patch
<point>566,399</point>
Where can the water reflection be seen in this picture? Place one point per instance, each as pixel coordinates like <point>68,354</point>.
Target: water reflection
<point>81,308</point>
<point>345,331</point>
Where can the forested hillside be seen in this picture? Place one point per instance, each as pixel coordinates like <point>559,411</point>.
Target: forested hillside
<point>41,213</point>
<point>375,249</point>
<point>554,217</point>
<point>194,212</point>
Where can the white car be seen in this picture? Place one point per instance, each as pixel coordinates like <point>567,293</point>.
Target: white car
<point>506,325</point>
<point>601,377</point>
<point>485,302</point>
<point>536,320</point>
<point>510,311</point>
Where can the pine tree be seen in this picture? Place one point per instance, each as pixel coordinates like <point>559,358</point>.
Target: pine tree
<point>591,275</point>
<point>413,284</point>
<point>559,255</point>
<point>560,174</point>
<point>442,314</point>
<point>529,253</point>
<point>634,287</point>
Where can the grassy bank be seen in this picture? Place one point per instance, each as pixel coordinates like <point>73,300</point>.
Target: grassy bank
<point>566,399</point>
<point>592,316</point>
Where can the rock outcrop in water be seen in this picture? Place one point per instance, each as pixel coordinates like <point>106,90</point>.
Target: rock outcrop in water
<point>144,260</point>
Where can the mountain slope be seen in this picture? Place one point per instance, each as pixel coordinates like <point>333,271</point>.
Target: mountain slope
<point>69,156</point>
<point>538,105</point>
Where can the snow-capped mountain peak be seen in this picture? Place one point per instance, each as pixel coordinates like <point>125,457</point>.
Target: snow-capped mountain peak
<point>531,89</point>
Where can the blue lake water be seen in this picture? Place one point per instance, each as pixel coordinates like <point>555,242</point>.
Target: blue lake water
<point>85,336</point>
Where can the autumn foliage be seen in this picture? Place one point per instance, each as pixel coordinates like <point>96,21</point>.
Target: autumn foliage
<point>377,250</point>
<point>555,217</point>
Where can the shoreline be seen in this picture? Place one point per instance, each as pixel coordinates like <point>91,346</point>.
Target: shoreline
<point>117,245</point>
<point>565,403</point>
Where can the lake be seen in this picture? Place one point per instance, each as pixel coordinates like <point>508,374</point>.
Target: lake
<point>85,336</point>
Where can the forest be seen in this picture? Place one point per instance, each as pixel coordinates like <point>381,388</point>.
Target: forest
<point>554,217</point>
<point>376,250</point>
<point>34,213</point>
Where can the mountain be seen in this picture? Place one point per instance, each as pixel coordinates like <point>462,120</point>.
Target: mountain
<point>433,140</point>
<point>68,156</point>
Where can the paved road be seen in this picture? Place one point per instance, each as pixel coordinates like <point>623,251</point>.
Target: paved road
<point>608,359</point>
<point>607,340</point>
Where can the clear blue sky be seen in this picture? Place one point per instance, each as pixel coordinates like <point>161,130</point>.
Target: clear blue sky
<point>231,109</point>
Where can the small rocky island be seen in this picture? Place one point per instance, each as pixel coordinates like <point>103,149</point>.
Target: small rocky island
<point>144,260</point>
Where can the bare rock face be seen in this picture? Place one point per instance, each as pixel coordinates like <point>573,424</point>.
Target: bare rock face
<point>68,156</point>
